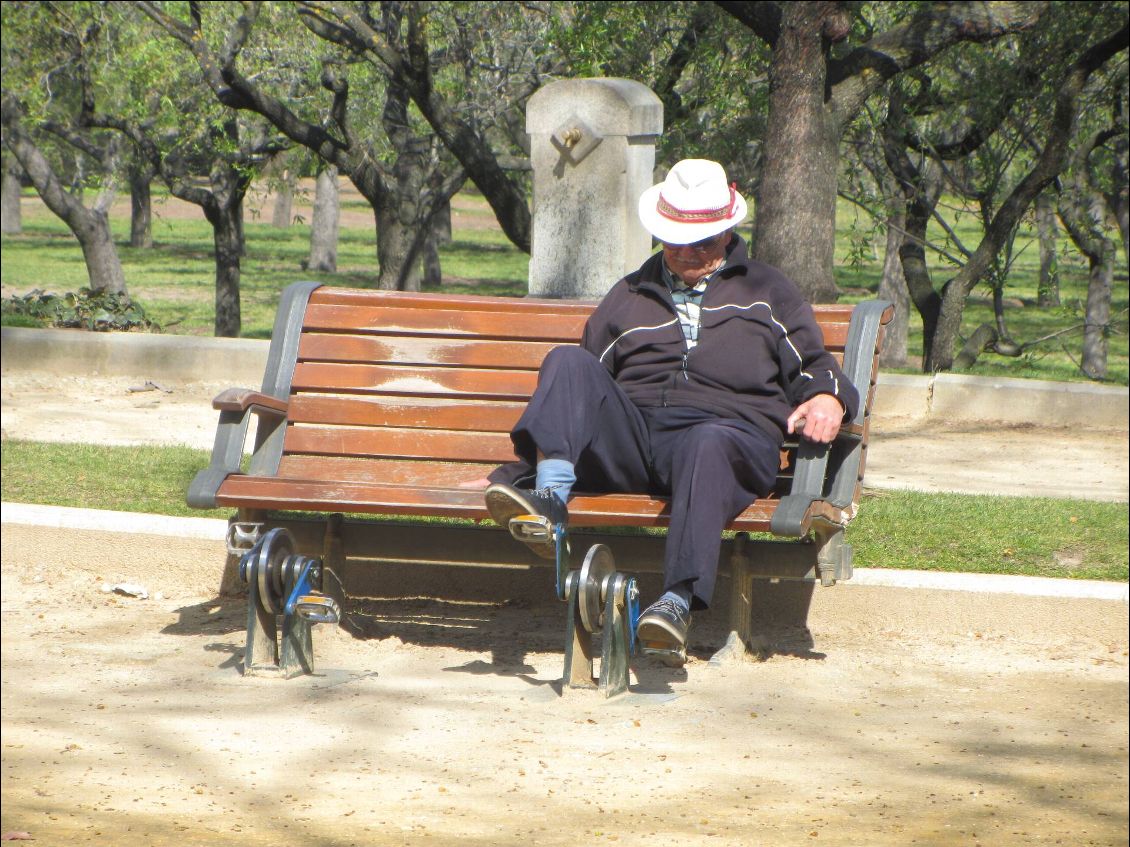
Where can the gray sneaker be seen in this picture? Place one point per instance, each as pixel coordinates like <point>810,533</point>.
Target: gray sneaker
<point>505,503</point>
<point>662,631</point>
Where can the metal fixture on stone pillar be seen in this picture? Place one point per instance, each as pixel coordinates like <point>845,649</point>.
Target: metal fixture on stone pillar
<point>592,146</point>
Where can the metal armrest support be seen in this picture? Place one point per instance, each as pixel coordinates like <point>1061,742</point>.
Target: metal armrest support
<point>814,479</point>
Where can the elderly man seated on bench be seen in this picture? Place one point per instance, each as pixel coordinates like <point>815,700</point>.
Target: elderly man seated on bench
<point>689,375</point>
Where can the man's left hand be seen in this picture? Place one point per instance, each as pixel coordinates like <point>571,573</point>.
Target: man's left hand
<point>820,417</point>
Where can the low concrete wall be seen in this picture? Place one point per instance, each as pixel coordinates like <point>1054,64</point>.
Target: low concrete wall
<point>240,361</point>
<point>959,398</point>
<point>949,397</point>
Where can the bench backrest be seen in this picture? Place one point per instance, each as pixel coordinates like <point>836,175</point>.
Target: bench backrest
<point>423,389</point>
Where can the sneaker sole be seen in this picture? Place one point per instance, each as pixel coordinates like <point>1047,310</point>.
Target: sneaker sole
<point>648,630</point>
<point>504,506</point>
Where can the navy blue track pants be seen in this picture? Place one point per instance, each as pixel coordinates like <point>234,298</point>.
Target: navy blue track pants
<point>711,468</point>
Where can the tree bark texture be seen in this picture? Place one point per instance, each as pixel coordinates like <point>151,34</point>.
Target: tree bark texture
<point>892,287</point>
<point>281,212</point>
<point>11,216</point>
<point>227,239</point>
<point>141,206</point>
<point>796,202</point>
<point>324,225</point>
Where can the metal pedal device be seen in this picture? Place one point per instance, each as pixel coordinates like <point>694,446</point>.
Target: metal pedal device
<point>282,583</point>
<point>535,528</point>
<point>602,602</point>
<point>664,651</point>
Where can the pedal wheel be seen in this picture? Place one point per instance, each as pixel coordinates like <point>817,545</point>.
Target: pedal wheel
<point>270,568</point>
<point>596,569</point>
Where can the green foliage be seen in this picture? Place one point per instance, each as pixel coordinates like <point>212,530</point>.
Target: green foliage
<point>97,311</point>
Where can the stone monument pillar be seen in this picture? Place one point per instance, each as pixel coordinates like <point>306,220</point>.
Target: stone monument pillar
<point>592,145</point>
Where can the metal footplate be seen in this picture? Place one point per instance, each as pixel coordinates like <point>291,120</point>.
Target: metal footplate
<point>674,656</point>
<point>281,583</point>
<point>601,602</point>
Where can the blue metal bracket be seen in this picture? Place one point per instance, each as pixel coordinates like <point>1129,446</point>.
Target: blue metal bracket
<point>561,544</point>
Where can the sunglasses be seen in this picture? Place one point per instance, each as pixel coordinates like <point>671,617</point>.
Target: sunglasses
<point>704,246</point>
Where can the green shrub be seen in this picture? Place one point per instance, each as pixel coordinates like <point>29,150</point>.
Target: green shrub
<point>97,311</point>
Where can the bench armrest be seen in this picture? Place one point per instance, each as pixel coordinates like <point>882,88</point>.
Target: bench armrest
<point>830,473</point>
<point>236,407</point>
<point>793,515</point>
<point>242,399</point>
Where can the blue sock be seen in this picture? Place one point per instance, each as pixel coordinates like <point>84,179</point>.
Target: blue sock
<point>558,476</point>
<point>680,594</point>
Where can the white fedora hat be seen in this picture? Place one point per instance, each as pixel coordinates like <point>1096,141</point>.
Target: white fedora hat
<point>693,203</point>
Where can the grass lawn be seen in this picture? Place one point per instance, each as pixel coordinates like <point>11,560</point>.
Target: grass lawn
<point>897,529</point>
<point>174,281</point>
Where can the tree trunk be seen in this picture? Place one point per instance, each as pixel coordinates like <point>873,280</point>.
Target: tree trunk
<point>893,288</point>
<point>227,238</point>
<point>1097,329</point>
<point>439,233</point>
<point>796,204</point>
<point>91,228</point>
<point>1119,197</point>
<point>223,207</point>
<point>11,216</point>
<point>323,226</point>
<point>141,206</point>
<point>1047,290</point>
<point>398,252</point>
<point>284,200</point>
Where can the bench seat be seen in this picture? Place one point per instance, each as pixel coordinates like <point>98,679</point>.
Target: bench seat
<point>297,494</point>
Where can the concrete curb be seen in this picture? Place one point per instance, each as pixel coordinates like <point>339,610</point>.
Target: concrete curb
<point>214,529</point>
<point>954,398</point>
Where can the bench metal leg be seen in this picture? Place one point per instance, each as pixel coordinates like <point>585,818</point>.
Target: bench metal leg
<point>739,643</point>
<point>834,555</point>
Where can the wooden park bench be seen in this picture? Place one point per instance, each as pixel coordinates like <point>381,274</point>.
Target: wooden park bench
<point>378,403</point>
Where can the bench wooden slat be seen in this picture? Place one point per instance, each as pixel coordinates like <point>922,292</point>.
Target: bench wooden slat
<point>421,300</point>
<point>414,382</point>
<point>381,470</point>
<point>405,412</point>
<point>407,500</point>
<point>441,445</point>
<point>561,328</point>
<point>401,350</point>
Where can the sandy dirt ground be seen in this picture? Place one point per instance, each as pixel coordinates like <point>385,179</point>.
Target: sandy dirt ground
<point>911,717</point>
<point>890,717</point>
